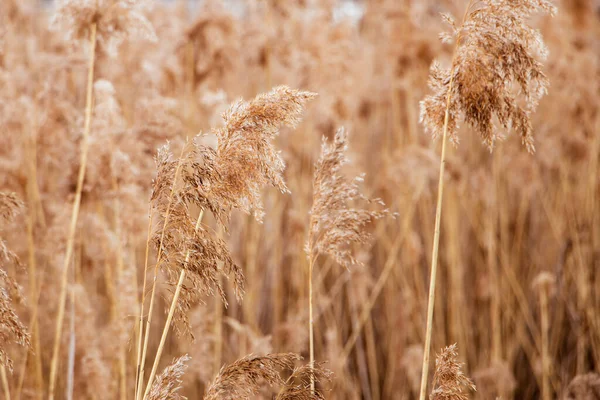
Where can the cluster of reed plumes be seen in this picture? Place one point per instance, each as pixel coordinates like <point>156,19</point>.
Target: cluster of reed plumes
<point>161,239</point>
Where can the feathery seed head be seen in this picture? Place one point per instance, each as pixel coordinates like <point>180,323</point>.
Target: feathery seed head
<point>495,72</point>
<point>11,328</point>
<point>117,20</point>
<point>449,379</point>
<point>242,379</point>
<point>246,143</point>
<point>168,383</point>
<point>298,385</point>
<point>334,223</point>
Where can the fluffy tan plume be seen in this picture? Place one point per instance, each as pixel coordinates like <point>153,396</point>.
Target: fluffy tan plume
<point>495,69</point>
<point>243,378</point>
<point>168,383</point>
<point>297,386</point>
<point>334,222</point>
<point>449,379</point>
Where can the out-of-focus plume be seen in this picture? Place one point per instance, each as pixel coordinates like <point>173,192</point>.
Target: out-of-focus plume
<point>116,21</point>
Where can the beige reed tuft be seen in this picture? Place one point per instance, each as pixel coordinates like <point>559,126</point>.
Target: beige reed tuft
<point>242,379</point>
<point>298,385</point>
<point>335,224</point>
<point>12,329</point>
<point>449,380</point>
<point>220,180</point>
<point>494,70</point>
<point>169,382</point>
<point>116,21</point>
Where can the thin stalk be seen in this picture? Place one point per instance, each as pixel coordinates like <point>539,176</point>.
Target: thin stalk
<point>141,324</point>
<point>379,285</point>
<point>158,259</point>
<point>434,257</point>
<point>74,215</point>
<point>436,233</point>
<point>170,316</point>
<point>5,382</point>
<point>34,213</point>
<point>122,347</point>
<point>311,322</point>
<point>545,356</point>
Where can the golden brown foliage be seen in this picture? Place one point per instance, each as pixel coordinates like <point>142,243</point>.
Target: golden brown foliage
<point>507,217</point>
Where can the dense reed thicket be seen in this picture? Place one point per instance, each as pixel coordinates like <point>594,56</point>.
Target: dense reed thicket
<point>171,260</point>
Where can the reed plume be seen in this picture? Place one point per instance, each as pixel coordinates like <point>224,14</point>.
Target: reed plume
<point>169,382</point>
<point>106,23</point>
<point>242,379</point>
<point>496,64</point>
<point>298,385</point>
<point>494,52</point>
<point>449,379</point>
<point>12,329</point>
<point>335,225</point>
<point>219,180</point>
<point>116,21</point>
<point>583,387</point>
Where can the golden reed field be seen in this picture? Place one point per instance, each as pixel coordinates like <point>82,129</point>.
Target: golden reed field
<point>300,199</point>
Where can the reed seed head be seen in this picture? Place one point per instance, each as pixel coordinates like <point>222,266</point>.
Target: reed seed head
<point>495,73</point>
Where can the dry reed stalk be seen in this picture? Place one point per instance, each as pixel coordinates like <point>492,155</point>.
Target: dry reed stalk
<point>155,277</point>
<point>496,298</point>
<point>493,48</point>
<point>544,285</point>
<point>122,361</point>
<point>33,323</point>
<point>74,215</point>
<point>334,225</point>
<point>381,281</point>
<point>436,238</point>
<point>34,294</point>
<point>163,338</point>
<point>143,300</point>
<point>35,210</point>
<point>5,386</point>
